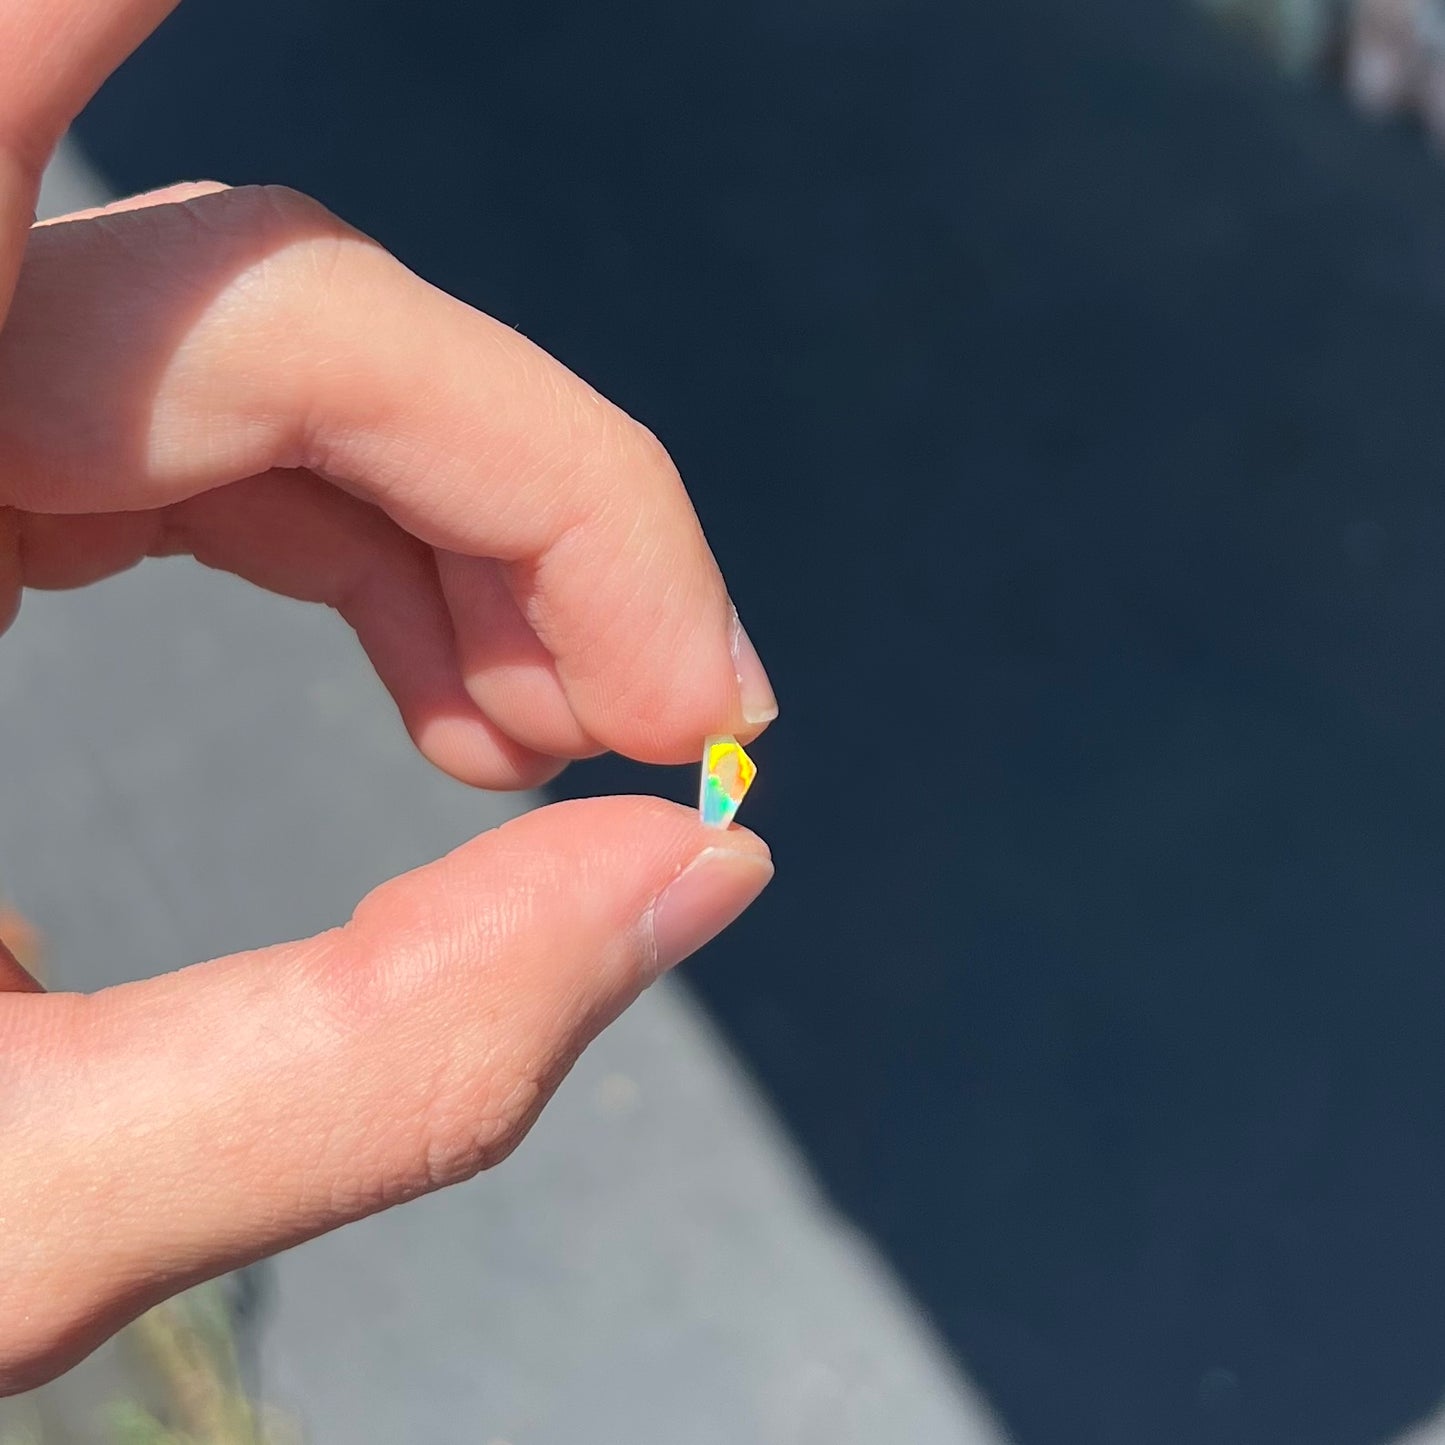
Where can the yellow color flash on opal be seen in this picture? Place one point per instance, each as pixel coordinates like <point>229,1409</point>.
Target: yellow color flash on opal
<point>727,774</point>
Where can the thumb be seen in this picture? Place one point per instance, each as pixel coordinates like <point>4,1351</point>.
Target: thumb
<point>179,1127</point>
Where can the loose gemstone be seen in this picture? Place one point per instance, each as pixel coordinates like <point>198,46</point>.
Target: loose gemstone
<point>727,774</point>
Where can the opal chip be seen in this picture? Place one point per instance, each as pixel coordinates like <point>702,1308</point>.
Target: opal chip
<point>727,774</point>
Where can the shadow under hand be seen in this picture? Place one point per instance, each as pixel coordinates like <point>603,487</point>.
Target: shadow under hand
<point>1062,397</point>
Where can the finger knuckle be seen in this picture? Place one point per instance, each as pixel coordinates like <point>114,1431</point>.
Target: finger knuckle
<point>286,206</point>
<point>462,1109</point>
<point>276,225</point>
<point>463,1134</point>
<point>646,453</point>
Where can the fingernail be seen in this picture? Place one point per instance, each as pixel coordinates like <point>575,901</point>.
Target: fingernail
<point>702,900</point>
<point>1376,78</point>
<point>754,690</point>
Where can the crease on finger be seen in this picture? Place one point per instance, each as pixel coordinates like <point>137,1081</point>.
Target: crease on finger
<point>407,633</point>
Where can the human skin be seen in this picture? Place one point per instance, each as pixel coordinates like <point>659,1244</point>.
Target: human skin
<point>238,375</point>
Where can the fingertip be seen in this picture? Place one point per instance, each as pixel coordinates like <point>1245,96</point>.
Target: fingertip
<point>740,840</point>
<point>706,682</point>
<point>756,699</point>
<point>636,825</point>
<point>711,892</point>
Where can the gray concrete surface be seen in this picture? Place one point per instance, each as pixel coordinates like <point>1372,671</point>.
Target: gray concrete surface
<point>192,768</point>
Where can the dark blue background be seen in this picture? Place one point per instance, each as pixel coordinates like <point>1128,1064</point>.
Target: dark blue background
<point>1063,395</point>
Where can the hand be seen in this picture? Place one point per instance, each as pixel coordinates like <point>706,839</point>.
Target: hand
<point>237,375</point>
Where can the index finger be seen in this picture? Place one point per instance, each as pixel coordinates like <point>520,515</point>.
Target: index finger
<point>165,352</point>
<point>54,54</point>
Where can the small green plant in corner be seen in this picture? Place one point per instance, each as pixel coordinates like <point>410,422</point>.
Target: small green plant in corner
<point>189,1353</point>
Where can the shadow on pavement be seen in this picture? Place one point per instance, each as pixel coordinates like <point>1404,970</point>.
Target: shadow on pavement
<point>1063,397</point>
